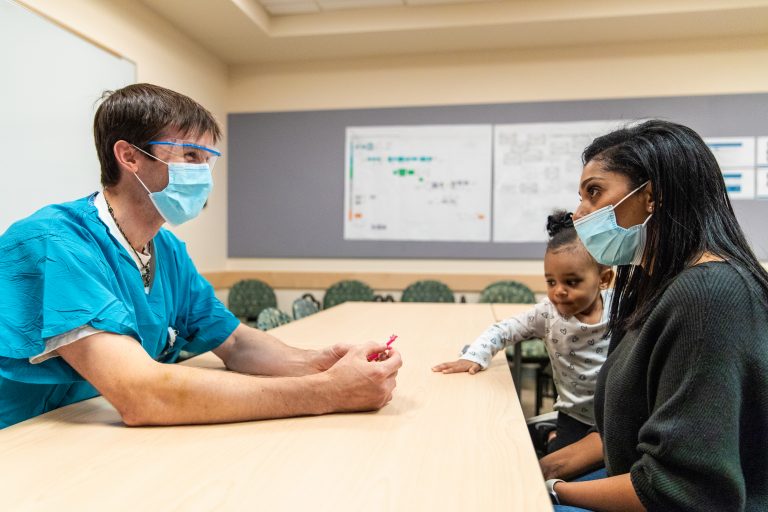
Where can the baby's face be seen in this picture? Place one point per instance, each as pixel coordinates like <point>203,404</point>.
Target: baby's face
<point>573,280</point>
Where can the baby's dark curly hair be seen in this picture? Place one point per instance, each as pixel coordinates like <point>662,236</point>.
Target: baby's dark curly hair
<point>561,230</point>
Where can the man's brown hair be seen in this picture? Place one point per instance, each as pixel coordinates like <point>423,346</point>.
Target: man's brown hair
<point>139,114</point>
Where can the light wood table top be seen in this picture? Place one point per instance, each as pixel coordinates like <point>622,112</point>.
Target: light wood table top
<point>445,442</point>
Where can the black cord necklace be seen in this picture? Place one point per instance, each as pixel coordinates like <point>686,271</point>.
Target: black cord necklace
<point>145,270</point>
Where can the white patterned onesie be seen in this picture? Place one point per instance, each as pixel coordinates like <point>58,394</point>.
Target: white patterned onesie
<point>576,350</point>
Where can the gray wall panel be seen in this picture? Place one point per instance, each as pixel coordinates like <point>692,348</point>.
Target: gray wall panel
<point>286,170</point>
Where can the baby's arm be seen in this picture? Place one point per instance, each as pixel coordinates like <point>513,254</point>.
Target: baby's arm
<point>512,330</point>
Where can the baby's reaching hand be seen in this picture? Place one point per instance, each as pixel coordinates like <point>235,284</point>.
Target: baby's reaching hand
<point>461,365</point>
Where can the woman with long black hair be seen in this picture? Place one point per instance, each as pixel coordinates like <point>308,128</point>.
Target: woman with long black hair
<point>682,402</point>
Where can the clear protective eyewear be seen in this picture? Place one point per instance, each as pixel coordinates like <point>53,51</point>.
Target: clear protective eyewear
<point>175,150</point>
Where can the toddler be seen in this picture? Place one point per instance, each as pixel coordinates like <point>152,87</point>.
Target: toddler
<point>571,321</point>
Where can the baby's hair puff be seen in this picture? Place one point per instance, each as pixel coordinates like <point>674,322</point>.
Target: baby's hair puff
<point>561,230</point>
<point>563,236</point>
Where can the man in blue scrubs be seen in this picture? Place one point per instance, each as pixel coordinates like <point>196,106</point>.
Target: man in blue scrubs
<point>97,298</point>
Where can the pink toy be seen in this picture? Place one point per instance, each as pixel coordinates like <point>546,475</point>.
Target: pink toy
<point>376,355</point>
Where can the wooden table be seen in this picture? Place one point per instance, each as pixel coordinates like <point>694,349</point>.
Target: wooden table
<point>445,442</point>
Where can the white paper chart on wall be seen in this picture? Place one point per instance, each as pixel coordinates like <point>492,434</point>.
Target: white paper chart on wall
<point>536,170</point>
<point>438,182</point>
<point>761,187</point>
<point>744,163</point>
<point>738,163</point>
<point>419,183</point>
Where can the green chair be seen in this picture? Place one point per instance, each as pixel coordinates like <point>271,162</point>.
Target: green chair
<point>427,291</point>
<point>347,291</point>
<point>305,306</point>
<point>508,292</point>
<point>269,318</point>
<point>249,297</point>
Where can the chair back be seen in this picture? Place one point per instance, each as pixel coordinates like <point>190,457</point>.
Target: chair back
<point>510,292</point>
<point>304,306</point>
<point>346,291</point>
<point>247,298</point>
<point>269,318</point>
<point>427,291</point>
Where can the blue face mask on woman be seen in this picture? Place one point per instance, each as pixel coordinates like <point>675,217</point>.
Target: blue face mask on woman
<point>189,185</point>
<point>609,243</point>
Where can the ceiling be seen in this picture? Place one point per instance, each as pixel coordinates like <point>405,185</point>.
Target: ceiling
<point>287,7</point>
<point>241,32</point>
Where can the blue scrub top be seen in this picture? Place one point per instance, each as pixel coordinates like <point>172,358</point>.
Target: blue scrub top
<point>61,269</point>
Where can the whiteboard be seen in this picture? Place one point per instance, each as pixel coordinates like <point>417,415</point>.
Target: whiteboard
<point>537,167</point>
<point>51,82</point>
<point>429,183</point>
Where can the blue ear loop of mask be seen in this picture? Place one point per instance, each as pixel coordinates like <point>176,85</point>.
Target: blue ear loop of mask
<point>609,243</point>
<point>187,192</point>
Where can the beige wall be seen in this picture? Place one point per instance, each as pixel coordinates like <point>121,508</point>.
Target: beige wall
<point>165,57</point>
<point>659,69</point>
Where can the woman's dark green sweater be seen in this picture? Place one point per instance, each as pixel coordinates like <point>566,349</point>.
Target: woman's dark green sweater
<point>682,402</point>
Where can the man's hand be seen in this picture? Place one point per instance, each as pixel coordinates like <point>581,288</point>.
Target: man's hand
<point>461,365</point>
<point>329,356</point>
<point>362,385</point>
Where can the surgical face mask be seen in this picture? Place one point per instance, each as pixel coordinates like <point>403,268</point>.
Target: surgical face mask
<point>609,243</point>
<point>189,185</point>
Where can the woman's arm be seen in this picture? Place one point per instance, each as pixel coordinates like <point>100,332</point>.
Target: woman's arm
<point>612,494</point>
<point>606,494</point>
<point>575,459</point>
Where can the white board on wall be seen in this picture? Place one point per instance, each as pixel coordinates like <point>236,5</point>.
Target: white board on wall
<point>537,169</point>
<point>426,183</point>
<point>51,81</point>
<point>737,159</point>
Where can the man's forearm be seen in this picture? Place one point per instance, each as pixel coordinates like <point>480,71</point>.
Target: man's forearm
<point>146,392</point>
<point>256,352</point>
<point>173,394</point>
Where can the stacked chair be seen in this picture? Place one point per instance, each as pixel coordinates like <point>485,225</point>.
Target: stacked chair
<point>304,306</point>
<point>346,291</point>
<point>428,291</point>
<point>507,292</point>
<point>247,298</point>
<point>269,318</point>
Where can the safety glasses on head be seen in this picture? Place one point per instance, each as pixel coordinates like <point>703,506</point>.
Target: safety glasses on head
<point>175,150</point>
